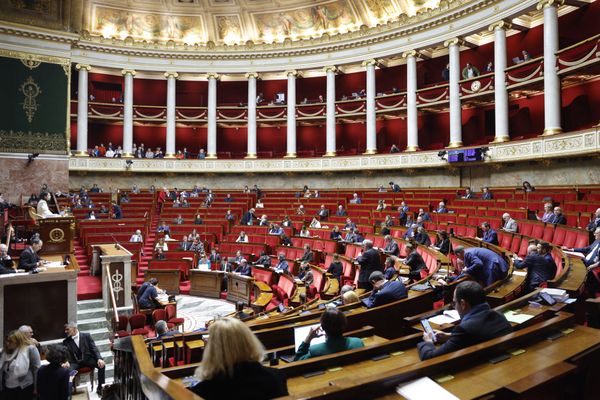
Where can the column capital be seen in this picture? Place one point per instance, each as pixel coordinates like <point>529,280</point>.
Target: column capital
<point>254,75</point>
<point>293,73</point>
<point>83,66</point>
<point>212,75</point>
<point>331,68</point>
<point>453,42</point>
<point>172,74</point>
<point>503,25</point>
<point>410,53</point>
<point>128,72</point>
<point>549,3</point>
<point>367,63</point>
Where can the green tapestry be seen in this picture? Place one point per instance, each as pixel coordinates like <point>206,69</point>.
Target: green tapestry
<point>34,103</point>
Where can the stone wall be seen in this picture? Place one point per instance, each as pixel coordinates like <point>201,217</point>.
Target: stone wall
<point>17,176</point>
<point>545,173</point>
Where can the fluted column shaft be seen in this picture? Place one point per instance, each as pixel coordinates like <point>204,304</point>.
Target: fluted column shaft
<point>454,89</point>
<point>171,121</point>
<point>128,113</point>
<point>412,139</point>
<point>291,114</point>
<point>251,149</point>
<point>371,116</point>
<point>500,91</point>
<point>82,110</point>
<point>330,124</point>
<point>552,89</point>
<point>212,116</point>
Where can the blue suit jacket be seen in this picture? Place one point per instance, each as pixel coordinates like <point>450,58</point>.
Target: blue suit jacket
<point>391,291</point>
<point>539,269</point>
<point>586,251</point>
<point>490,236</point>
<point>484,265</point>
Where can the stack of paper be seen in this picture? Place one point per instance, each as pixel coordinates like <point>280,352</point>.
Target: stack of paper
<point>517,318</point>
<point>559,295</point>
<point>424,389</point>
<point>448,317</point>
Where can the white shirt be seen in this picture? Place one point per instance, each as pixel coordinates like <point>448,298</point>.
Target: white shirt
<point>43,210</point>
<point>136,238</point>
<point>76,339</point>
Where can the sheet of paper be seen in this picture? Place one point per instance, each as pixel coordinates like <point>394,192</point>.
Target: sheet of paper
<point>424,389</point>
<point>520,273</point>
<point>441,319</point>
<point>54,264</point>
<point>574,253</point>
<point>452,314</point>
<point>517,318</point>
<point>300,334</point>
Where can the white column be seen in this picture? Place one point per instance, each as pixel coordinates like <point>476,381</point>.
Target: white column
<point>171,121</point>
<point>212,116</point>
<point>291,113</point>
<point>371,117</point>
<point>455,108</point>
<point>128,113</point>
<point>251,151</point>
<point>500,91</point>
<point>412,139</point>
<point>552,89</point>
<point>330,124</point>
<point>82,110</point>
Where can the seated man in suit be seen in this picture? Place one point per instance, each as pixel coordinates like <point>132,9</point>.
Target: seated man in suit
<point>486,195</point>
<point>244,268</point>
<point>341,212</point>
<point>468,194</point>
<point>29,259</point>
<point>323,213</point>
<point>478,323</point>
<point>308,255</point>
<point>592,261</point>
<point>595,222</point>
<point>384,291</point>
<point>489,235</point>
<point>415,262</point>
<point>391,247</point>
<point>481,264</point>
<point>282,265</point>
<point>333,324</point>
<point>83,352</point>
<point>558,218</point>
<point>510,225</point>
<point>7,265</point>
<point>539,270</point>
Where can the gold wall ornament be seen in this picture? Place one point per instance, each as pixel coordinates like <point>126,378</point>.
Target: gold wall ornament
<point>31,91</point>
<point>30,62</point>
<point>57,235</point>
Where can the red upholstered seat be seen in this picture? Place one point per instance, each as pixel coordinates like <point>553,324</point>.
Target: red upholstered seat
<point>137,324</point>
<point>171,316</point>
<point>120,328</point>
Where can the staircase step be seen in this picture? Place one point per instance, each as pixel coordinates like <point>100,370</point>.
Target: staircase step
<point>87,304</point>
<point>92,323</point>
<point>90,313</point>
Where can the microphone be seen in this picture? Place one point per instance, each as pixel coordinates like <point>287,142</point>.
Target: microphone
<point>117,245</point>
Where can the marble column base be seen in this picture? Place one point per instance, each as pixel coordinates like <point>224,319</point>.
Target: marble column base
<point>290,155</point>
<point>552,131</point>
<point>454,145</point>
<point>330,154</point>
<point>170,155</point>
<point>370,152</point>
<point>81,153</point>
<point>501,139</point>
<point>211,156</point>
<point>251,156</point>
<point>411,148</point>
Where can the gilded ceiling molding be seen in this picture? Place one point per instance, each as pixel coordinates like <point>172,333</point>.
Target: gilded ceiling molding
<point>331,68</point>
<point>254,75</point>
<point>503,25</point>
<point>549,3</point>
<point>410,53</point>
<point>128,72</point>
<point>170,74</point>
<point>87,67</point>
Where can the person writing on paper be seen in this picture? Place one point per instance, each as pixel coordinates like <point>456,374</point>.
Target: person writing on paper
<point>479,323</point>
<point>148,294</point>
<point>231,365</point>
<point>333,324</point>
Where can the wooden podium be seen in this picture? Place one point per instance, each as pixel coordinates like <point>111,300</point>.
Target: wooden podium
<point>57,235</point>
<point>118,260</point>
<point>46,301</point>
<point>206,283</point>
<point>239,287</point>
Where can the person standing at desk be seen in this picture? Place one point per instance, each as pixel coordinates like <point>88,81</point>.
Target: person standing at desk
<point>368,262</point>
<point>30,260</point>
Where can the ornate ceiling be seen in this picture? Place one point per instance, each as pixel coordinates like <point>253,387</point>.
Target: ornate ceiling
<point>239,21</point>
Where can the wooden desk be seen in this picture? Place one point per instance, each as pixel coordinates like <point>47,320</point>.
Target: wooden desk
<point>46,300</point>
<point>206,283</point>
<point>239,287</point>
<point>168,279</point>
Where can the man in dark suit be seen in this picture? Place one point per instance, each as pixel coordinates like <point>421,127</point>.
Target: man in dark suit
<point>244,268</point>
<point>368,262</point>
<point>558,218</point>
<point>415,262</point>
<point>468,194</point>
<point>539,270</point>
<point>185,245</point>
<point>394,186</point>
<point>489,235</point>
<point>248,218</point>
<point>594,223</point>
<point>117,213</point>
<point>481,264</point>
<point>323,213</point>
<point>478,323</point>
<point>29,259</point>
<point>83,352</point>
<point>384,291</point>
<point>308,255</point>
<point>486,195</point>
<point>591,252</point>
<point>391,247</point>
